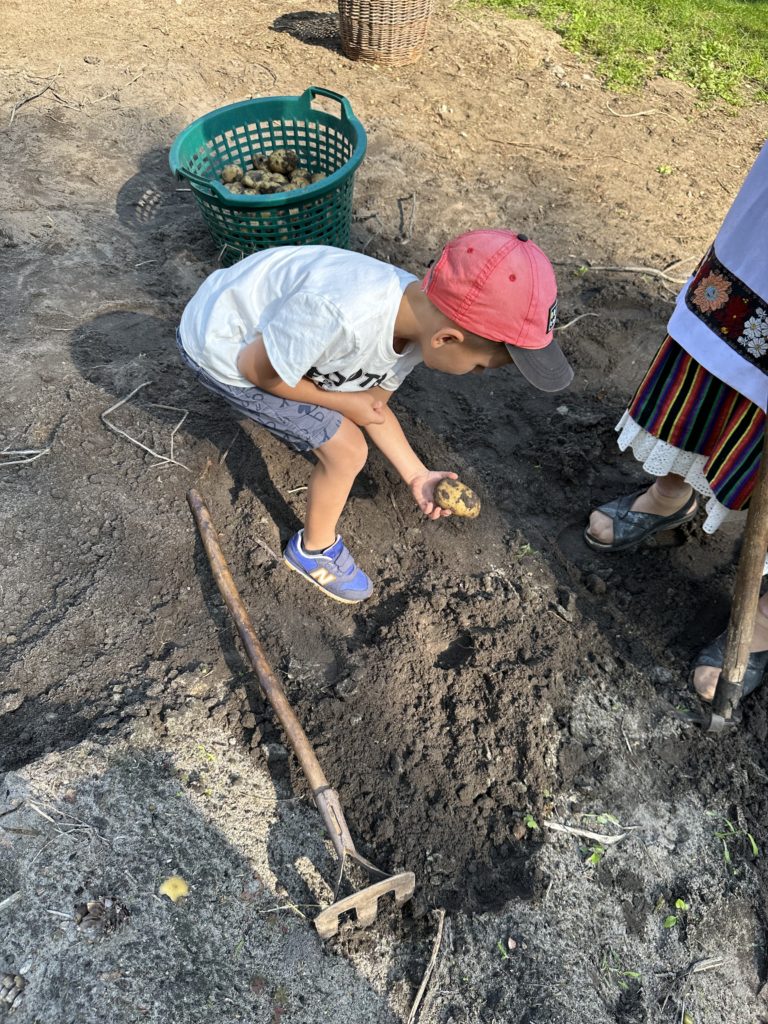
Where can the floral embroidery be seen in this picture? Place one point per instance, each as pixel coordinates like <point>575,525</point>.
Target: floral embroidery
<point>757,346</point>
<point>712,293</point>
<point>730,309</point>
<point>755,333</point>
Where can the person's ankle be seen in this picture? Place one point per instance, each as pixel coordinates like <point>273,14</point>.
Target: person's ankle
<point>666,492</point>
<point>309,546</point>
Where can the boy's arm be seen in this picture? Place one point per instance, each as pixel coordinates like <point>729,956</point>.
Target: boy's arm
<point>391,441</point>
<point>363,409</point>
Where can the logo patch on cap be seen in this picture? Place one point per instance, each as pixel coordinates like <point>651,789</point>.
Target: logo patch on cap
<point>552,317</point>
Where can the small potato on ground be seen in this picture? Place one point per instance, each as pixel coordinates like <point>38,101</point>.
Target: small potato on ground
<point>457,498</point>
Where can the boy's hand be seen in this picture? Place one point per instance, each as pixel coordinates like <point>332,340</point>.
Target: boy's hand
<point>423,489</point>
<point>363,409</point>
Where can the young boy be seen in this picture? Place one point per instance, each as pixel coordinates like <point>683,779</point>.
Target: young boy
<point>311,342</point>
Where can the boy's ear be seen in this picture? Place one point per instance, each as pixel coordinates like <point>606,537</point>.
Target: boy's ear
<point>447,336</point>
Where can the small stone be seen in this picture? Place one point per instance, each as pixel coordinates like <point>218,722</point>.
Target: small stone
<point>519,830</point>
<point>596,584</point>
<point>511,943</point>
<point>662,675</point>
<point>18,981</point>
<point>347,687</point>
<point>11,639</point>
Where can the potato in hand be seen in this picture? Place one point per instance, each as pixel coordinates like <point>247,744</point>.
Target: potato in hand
<point>457,498</point>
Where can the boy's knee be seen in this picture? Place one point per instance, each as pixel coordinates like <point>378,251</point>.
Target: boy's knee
<point>347,449</point>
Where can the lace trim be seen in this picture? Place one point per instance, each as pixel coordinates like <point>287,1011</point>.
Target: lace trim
<point>659,458</point>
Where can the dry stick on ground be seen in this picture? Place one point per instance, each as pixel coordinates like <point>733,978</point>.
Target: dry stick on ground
<point>637,113</point>
<point>564,327</point>
<point>10,899</point>
<point>266,547</point>
<point>430,966</point>
<point>34,453</point>
<point>173,408</point>
<point>269,70</point>
<point>122,433</point>
<point>676,263</point>
<point>223,458</point>
<point>27,99</point>
<point>523,145</point>
<point>624,270</point>
<point>585,833</point>
<point>114,92</point>
<point>710,963</point>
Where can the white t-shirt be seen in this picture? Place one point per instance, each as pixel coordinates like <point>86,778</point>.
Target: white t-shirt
<point>324,313</point>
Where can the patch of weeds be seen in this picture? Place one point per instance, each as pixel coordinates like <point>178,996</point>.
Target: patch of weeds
<point>595,854</point>
<point>613,967</point>
<point>671,920</point>
<point>524,550</point>
<point>665,170</point>
<point>720,47</point>
<point>737,843</point>
<point>504,954</point>
<point>530,822</point>
<point>674,914</point>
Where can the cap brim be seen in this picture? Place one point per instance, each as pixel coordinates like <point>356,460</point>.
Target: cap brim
<point>546,368</point>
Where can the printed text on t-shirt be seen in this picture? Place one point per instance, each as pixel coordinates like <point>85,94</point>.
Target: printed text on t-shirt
<point>327,381</point>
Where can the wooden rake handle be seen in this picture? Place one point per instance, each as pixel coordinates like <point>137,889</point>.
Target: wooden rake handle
<point>269,683</point>
<point>745,596</point>
<point>326,798</point>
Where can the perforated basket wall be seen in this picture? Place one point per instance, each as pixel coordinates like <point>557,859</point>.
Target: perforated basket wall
<point>389,32</point>
<point>320,214</point>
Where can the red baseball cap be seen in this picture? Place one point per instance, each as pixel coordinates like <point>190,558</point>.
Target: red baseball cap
<point>499,285</point>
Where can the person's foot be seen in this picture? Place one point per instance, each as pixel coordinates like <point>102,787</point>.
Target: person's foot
<point>705,676</point>
<point>333,570</point>
<point>656,501</point>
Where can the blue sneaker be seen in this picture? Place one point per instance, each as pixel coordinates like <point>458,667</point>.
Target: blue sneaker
<point>334,571</point>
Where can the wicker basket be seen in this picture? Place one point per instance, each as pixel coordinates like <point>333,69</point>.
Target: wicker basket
<point>320,214</point>
<point>388,32</point>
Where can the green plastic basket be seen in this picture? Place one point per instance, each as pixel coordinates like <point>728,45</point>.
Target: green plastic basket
<point>320,214</point>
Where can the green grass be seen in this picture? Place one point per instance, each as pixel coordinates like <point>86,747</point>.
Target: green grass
<point>718,46</point>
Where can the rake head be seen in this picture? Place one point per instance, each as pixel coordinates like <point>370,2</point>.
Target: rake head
<point>365,903</point>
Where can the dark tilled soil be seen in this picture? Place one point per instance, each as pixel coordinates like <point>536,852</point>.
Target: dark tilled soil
<point>502,674</point>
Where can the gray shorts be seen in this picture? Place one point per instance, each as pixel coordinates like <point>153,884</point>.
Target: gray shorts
<point>302,426</point>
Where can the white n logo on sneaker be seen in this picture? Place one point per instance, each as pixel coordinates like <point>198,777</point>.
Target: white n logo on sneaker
<point>322,576</point>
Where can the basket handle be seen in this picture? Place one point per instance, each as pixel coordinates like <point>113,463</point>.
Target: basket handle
<point>211,186</point>
<point>317,90</point>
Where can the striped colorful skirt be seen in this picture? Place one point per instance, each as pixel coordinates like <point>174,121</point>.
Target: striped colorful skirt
<point>683,420</point>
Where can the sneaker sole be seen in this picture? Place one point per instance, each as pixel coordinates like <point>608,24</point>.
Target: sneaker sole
<point>333,597</point>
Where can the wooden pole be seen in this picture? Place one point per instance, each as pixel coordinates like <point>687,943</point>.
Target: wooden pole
<point>746,594</point>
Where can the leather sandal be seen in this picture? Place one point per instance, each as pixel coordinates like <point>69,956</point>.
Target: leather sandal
<point>632,528</point>
<point>713,656</point>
